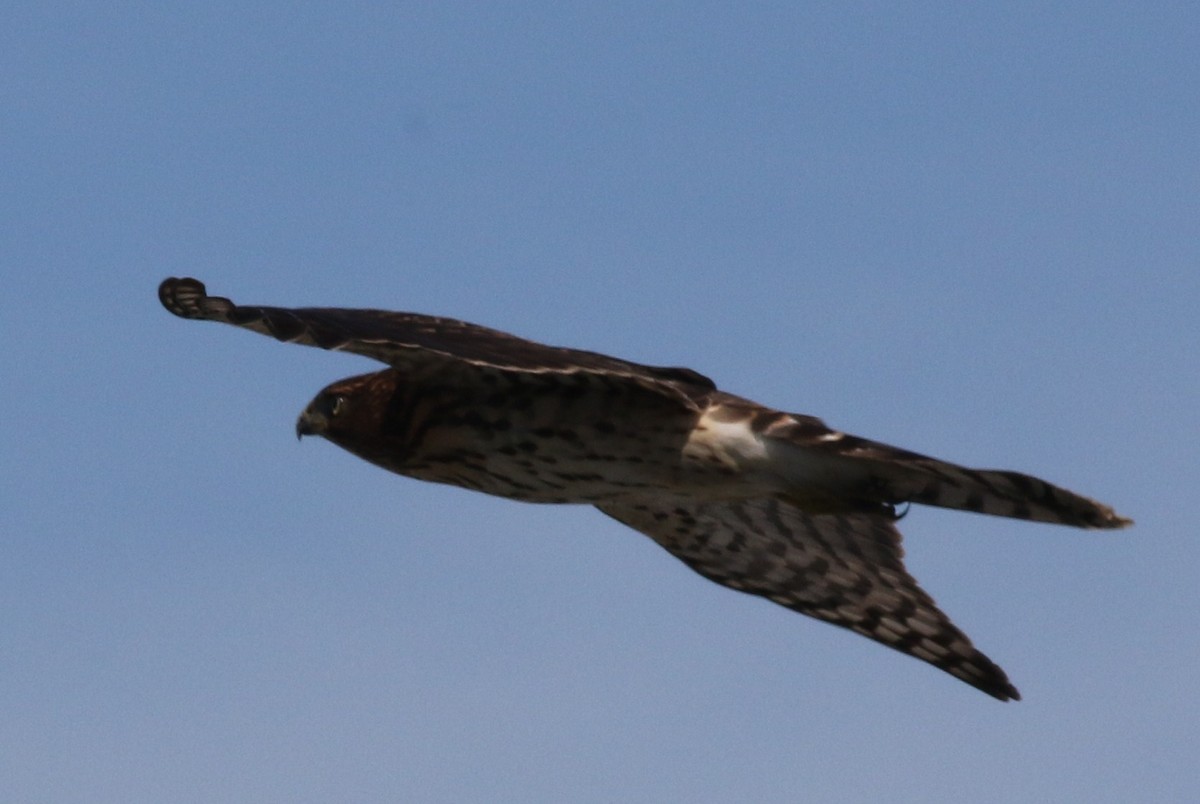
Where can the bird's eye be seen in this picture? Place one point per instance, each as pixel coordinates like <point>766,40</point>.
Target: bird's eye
<point>335,405</point>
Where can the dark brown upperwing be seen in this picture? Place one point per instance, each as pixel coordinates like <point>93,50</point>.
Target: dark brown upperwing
<point>409,340</point>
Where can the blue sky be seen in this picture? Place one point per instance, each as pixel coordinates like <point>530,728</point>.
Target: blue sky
<point>970,231</point>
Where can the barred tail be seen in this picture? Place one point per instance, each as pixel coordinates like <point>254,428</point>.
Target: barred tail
<point>991,491</point>
<point>869,474</point>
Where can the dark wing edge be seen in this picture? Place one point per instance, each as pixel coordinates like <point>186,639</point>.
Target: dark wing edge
<point>188,298</point>
<point>407,340</point>
<point>844,569</point>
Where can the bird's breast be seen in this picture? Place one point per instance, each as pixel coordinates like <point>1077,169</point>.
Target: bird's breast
<point>564,446</point>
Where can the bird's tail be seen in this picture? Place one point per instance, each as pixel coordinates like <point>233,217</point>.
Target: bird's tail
<point>875,474</point>
<point>993,491</point>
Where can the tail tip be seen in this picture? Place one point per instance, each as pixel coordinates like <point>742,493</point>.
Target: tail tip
<point>1107,519</point>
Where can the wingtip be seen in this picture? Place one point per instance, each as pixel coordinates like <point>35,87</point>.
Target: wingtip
<point>183,296</point>
<point>992,680</point>
<point>188,298</point>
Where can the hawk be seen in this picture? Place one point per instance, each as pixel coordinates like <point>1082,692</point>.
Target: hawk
<point>770,503</point>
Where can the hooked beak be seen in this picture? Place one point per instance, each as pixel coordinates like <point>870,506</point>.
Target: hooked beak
<point>310,423</point>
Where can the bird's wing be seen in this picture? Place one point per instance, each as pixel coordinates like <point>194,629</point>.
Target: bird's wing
<point>845,569</point>
<point>408,341</point>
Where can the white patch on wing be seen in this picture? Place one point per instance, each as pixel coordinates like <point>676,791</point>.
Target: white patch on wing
<point>729,443</point>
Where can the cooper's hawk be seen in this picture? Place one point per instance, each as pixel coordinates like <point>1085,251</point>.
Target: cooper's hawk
<point>771,503</point>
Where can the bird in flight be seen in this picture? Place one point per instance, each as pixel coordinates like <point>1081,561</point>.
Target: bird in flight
<point>770,503</point>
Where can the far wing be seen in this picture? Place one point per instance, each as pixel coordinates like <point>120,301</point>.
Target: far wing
<point>408,341</point>
<point>845,569</point>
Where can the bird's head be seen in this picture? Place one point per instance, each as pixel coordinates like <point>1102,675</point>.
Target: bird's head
<point>327,410</point>
<point>350,412</point>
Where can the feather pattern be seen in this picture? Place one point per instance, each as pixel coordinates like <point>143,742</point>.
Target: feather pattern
<point>844,569</point>
<point>767,502</point>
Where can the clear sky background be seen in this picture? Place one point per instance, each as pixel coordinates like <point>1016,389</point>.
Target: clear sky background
<point>971,231</point>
